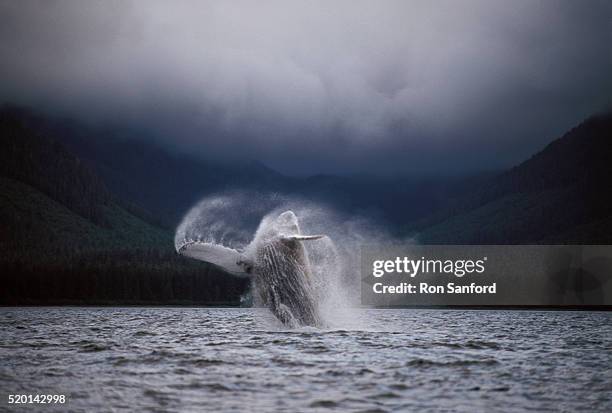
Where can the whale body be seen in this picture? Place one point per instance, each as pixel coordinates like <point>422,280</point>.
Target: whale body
<point>278,262</point>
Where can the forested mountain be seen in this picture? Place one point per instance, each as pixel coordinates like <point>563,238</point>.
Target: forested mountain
<point>562,194</point>
<point>557,196</point>
<point>167,184</point>
<point>48,166</point>
<point>67,239</point>
<point>75,225</point>
<point>162,182</point>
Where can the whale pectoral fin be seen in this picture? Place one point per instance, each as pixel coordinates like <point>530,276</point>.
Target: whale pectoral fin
<point>224,257</point>
<point>304,237</point>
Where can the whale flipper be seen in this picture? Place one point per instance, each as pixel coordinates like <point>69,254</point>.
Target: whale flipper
<point>303,237</point>
<point>227,258</point>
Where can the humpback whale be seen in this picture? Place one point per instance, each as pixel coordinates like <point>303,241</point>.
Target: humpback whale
<point>277,261</point>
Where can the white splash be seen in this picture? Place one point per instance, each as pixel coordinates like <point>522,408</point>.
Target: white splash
<point>231,220</point>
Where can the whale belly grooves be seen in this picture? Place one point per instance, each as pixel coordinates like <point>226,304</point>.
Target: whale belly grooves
<point>284,283</point>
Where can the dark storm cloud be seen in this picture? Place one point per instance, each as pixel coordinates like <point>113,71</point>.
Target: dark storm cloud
<point>319,86</point>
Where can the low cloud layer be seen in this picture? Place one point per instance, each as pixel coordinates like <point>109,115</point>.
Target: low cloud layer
<point>308,87</point>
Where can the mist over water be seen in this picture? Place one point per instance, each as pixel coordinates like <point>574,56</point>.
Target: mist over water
<point>232,219</point>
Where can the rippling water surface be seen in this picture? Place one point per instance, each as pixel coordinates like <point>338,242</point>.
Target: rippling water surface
<point>200,359</point>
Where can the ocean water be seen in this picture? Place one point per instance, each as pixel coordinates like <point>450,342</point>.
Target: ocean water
<point>203,359</point>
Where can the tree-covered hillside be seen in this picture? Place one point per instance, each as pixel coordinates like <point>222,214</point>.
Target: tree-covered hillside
<point>134,167</point>
<point>67,239</point>
<point>562,194</point>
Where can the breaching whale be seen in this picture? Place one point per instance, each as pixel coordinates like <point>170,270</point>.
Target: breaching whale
<point>277,261</point>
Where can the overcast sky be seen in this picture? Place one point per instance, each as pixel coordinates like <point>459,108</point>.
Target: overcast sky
<point>308,87</point>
